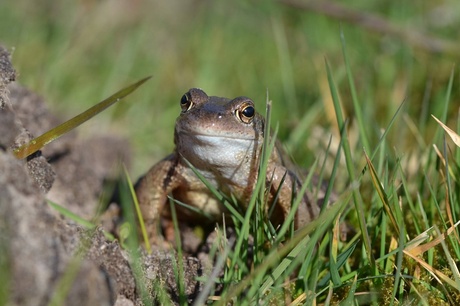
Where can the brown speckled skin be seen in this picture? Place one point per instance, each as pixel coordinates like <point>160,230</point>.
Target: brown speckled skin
<point>221,138</point>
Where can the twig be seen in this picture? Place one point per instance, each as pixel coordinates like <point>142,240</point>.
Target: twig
<point>377,24</point>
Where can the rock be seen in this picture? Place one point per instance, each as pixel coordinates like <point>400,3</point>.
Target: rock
<point>35,251</point>
<point>7,75</point>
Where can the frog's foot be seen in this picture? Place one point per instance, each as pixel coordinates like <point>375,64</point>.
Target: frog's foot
<point>156,240</point>
<point>159,243</point>
<point>169,231</point>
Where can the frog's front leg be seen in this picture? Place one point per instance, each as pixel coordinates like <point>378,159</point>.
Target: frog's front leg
<point>307,211</point>
<point>152,192</point>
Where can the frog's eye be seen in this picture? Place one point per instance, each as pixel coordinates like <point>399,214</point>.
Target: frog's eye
<point>186,102</point>
<point>246,113</point>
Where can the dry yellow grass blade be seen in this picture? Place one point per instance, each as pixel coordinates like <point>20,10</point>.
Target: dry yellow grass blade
<point>443,161</point>
<point>299,300</point>
<point>336,237</point>
<point>416,248</point>
<point>439,154</point>
<point>451,173</point>
<point>454,136</point>
<point>449,210</point>
<point>438,275</point>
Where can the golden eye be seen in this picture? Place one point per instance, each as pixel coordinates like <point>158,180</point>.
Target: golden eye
<point>186,102</point>
<point>246,113</point>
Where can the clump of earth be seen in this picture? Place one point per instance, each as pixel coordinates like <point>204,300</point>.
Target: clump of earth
<point>45,256</point>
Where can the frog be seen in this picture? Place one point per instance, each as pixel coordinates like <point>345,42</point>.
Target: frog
<point>221,139</point>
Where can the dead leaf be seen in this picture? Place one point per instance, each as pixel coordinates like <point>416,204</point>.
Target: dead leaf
<point>454,136</point>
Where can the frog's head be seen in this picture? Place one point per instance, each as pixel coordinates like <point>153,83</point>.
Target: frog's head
<point>218,132</point>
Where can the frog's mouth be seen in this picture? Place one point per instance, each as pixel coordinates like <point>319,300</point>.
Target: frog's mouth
<point>216,150</point>
<point>203,134</point>
<point>217,142</point>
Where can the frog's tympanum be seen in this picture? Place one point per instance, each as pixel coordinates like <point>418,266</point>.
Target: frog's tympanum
<point>222,138</point>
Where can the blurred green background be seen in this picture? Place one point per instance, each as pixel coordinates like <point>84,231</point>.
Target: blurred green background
<point>75,53</point>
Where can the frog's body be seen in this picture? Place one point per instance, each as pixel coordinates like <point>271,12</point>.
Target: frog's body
<point>222,139</point>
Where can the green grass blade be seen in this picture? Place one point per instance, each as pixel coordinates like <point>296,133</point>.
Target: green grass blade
<point>385,132</point>
<point>77,219</point>
<point>440,132</point>
<point>341,260</point>
<point>356,106</point>
<point>335,167</point>
<point>68,214</point>
<point>286,225</point>
<point>266,150</point>
<point>138,211</point>
<point>412,206</point>
<point>350,167</point>
<point>179,267</point>
<point>287,76</point>
<point>268,147</point>
<point>350,300</point>
<point>399,259</point>
<point>191,208</point>
<point>219,195</point>
<point>132,244</point>
<point>278,271</point>
<point>273,257</point>
<point>39,142</point>
<point>438,137</point>
<point>382,194</point>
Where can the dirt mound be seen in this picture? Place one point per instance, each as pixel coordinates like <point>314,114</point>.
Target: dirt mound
<point>44,256</point>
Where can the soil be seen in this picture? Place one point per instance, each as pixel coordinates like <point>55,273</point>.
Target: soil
<point>46,257</point>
